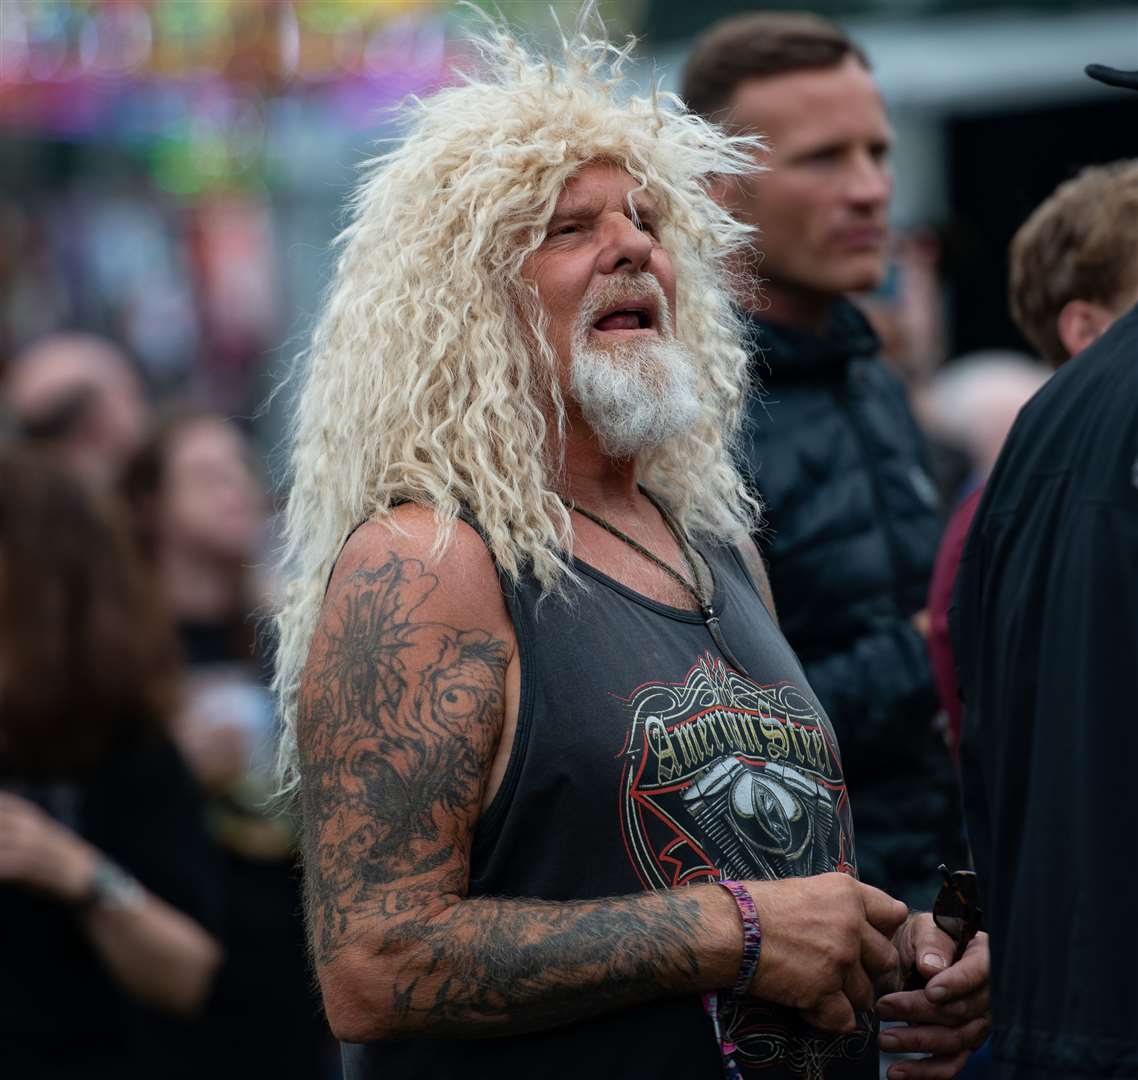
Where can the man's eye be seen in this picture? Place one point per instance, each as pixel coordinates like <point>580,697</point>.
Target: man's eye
<point>565,230</point>
<point>646,225</point>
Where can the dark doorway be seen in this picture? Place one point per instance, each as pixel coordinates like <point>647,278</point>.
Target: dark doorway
<point>1001,166</point>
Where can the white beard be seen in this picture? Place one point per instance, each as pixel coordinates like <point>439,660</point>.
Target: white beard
<point>637,394</point>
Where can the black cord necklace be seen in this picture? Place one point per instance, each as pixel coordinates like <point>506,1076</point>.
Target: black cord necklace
<point>693,588</point>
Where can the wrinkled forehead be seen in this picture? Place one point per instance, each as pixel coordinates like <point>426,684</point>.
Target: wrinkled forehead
<point>596,183</point>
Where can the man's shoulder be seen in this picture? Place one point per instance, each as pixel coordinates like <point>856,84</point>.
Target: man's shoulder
<point>1082,424</point>
<point>446,569</point>
<point>757,571</point>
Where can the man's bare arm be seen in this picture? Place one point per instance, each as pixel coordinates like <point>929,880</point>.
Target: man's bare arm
<point>401,710</point>
<point>400,714</point>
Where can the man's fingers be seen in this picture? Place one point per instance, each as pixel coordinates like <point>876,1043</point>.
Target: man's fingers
<point>933,949</point>
<point>965,977</point>
<point>858,988</point>
<point>878,953</point>
<point>934,1068</point>
<point>934,1039</point>
<point>833,1013</point>
<point>915,1008</point>
<point>12,807</point>
<point>885,913</point>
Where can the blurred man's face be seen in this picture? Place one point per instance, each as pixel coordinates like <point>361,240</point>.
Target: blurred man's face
<point>609,291</point>
<point>823,207</point>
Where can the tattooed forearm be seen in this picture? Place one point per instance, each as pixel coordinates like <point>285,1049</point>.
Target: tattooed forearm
<point>492,967</point>
<point>399,721</point>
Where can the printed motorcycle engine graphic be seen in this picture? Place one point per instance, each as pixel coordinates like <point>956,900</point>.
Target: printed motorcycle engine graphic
<point>724,778</point>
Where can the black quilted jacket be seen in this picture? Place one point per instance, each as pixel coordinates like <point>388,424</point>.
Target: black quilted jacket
<point>851,532</point>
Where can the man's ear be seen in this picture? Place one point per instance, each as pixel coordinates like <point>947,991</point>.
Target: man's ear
<point>1081,323</point>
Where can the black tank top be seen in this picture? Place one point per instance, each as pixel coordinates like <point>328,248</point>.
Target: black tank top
<point>642,761</point>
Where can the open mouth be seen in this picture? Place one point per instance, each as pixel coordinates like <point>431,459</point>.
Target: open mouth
<point>629,315</point>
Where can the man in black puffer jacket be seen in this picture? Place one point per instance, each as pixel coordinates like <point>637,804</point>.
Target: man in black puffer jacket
<point>852,522</point>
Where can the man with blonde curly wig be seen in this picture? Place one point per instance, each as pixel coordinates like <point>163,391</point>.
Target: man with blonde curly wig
<point>570,808</point>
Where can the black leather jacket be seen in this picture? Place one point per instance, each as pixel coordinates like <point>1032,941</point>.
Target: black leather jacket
<point>851,532</point>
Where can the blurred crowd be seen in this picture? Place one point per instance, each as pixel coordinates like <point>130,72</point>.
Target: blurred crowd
<point>150,895</point>
<point>150,892</point>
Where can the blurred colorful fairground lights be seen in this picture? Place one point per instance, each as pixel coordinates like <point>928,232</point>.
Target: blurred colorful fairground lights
<point>200,78</point>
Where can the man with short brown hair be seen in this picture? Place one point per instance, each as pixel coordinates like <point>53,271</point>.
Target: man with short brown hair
<point>832,446</point>
<point>757,46</point>
<point>1073,267</point>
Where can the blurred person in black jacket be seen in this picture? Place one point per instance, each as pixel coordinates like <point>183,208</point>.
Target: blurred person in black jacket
<point>201,516</point>
<point>107,879</point>
<point>833,450</point>
<point>1045,633</point>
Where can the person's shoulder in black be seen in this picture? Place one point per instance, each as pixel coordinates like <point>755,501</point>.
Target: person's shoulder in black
<point>144,808</point>
<point>1045,627</point>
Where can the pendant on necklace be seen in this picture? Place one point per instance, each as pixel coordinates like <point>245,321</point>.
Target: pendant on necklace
<point>711,621</point>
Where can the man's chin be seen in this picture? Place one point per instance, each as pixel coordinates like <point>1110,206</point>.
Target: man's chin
<point>861,275</point>
<point>620,443</point>
<point>637,396</point>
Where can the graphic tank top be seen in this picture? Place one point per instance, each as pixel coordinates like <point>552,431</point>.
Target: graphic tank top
<point>643,761</point>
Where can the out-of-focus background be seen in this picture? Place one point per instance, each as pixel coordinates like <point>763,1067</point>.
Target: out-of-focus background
<point>172,174</point>
<point>172,171</point>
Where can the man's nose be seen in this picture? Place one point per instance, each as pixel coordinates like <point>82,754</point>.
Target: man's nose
<point>870,182</point>
<point>626,246</point>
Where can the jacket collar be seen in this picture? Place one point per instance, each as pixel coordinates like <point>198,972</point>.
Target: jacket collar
<point>784,353</point>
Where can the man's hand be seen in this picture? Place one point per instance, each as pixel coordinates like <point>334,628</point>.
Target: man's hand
<point>39,853</point>
<point>826,940</point>
<point>950,1017</point>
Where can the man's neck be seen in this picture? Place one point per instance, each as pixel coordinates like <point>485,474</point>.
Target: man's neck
<point>597,482</point>
<point>802,309</point>
<point>600,483</point>
<point>199,588</point>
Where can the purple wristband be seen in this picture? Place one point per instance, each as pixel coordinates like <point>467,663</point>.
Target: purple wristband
<point>752,935</point>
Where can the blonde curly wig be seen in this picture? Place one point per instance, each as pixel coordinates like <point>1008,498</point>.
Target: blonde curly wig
<point>427,381</point>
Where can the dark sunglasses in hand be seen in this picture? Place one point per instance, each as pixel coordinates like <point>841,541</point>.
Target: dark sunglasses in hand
<point>956,909</point>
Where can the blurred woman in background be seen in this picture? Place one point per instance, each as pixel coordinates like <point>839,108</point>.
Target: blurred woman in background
<point>106,873</point>
<point>202,519</point>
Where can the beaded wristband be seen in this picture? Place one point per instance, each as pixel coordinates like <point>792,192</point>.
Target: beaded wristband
<point>752,935</point>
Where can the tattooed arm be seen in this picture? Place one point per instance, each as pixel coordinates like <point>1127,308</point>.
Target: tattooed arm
<point>402,706</point>
<point>404,701</point>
